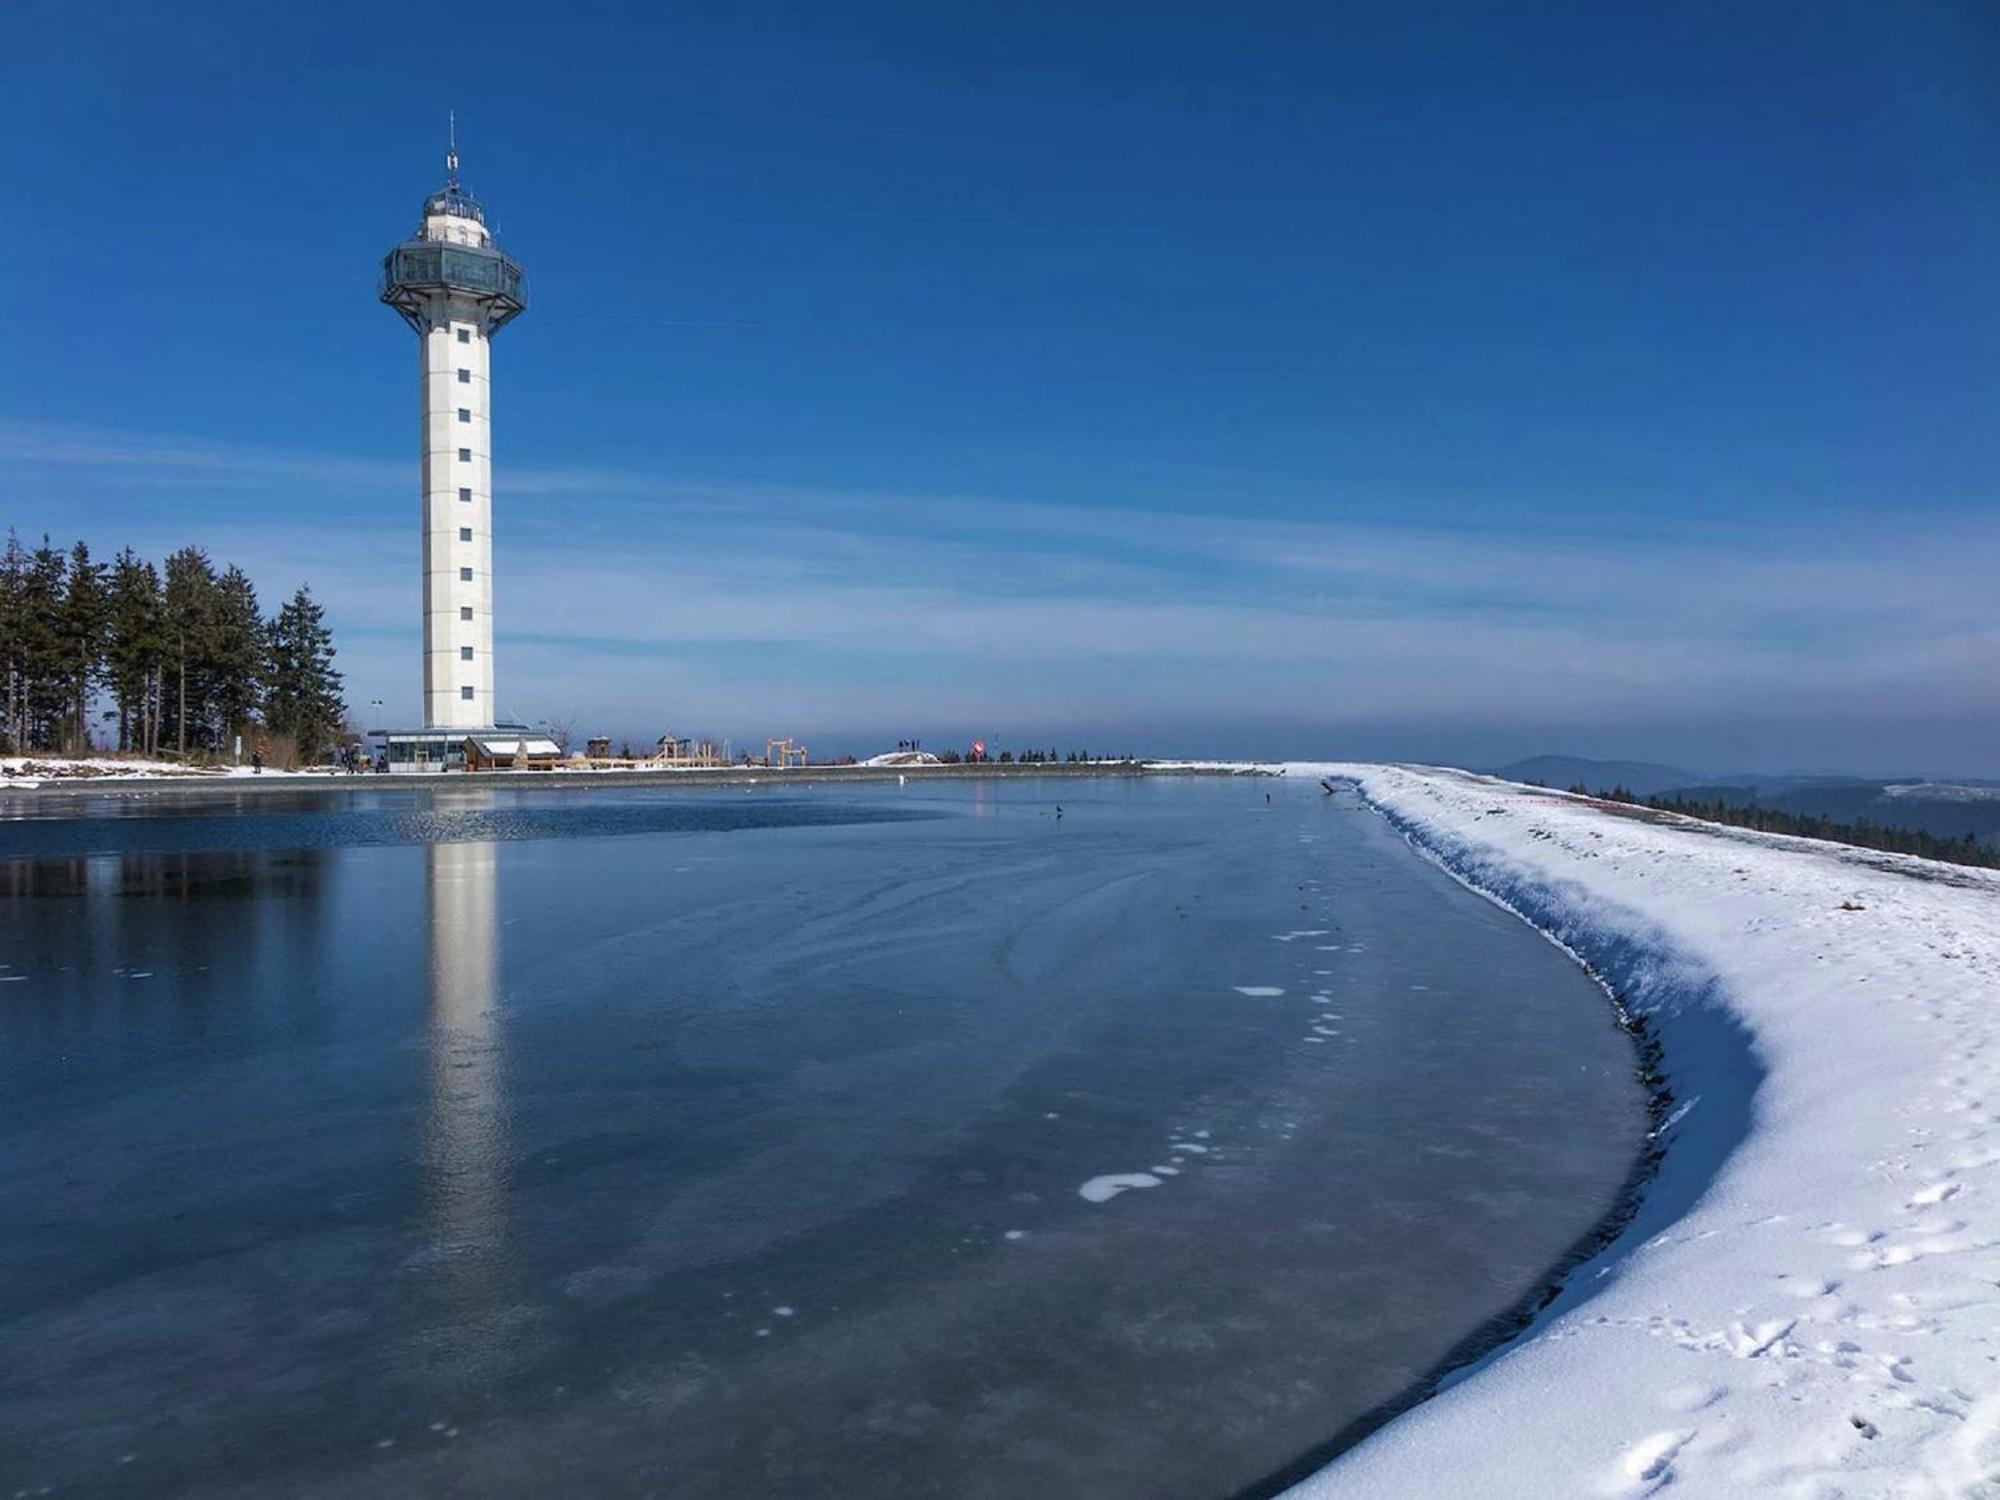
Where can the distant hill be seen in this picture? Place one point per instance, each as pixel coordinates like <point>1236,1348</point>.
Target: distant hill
<point>1641,776</point>
<point>1947,810</point>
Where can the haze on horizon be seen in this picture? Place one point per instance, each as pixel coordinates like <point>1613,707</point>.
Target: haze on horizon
<point>1300,381</point>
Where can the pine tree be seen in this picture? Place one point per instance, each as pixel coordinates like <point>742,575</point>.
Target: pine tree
<point>190,625</point>
<point>83,627</point>
<point>187,659</point>
<point>135,650</point>
<point>13,627</point>
<point>238,655</point>
<point>44,661</point>
<point>303,701</point>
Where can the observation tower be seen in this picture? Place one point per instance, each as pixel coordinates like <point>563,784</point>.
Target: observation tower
<point>453,285</point>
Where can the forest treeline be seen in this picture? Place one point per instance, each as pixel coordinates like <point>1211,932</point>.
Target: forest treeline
<point>1863,833</point>
<point>182,654</point>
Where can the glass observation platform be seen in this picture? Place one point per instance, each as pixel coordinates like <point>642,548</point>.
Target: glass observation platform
<point>454,200</point>
<point>419,269</point>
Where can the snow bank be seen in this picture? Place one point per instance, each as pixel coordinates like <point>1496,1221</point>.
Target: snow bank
<point>1808,1303</point>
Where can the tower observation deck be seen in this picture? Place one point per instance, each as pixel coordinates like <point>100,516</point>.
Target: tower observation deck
<point>453,285</point>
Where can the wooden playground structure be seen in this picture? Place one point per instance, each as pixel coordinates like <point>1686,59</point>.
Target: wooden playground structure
<point>675,751</point>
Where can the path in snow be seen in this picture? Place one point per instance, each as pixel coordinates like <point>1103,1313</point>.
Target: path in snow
<point>1808,1303</point>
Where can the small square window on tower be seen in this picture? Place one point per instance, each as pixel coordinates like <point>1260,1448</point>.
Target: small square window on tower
<point>465,414</point>
<point>465,575</point>
<point>465,611</point>
<point>465,455</point>
<point>465,335</point>
<point>465,493</point>
<point>466,694</point>
<point>465,377</point>
<point>465,533</point>
<point>465,653</point>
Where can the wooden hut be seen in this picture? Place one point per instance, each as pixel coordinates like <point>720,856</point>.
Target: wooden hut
<point>511,753</point>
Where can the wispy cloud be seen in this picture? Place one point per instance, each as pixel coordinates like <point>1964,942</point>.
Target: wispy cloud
<point>144,461</point>
<point>625,597</point>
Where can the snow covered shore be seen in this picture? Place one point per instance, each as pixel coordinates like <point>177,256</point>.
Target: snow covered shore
<point>92,767</point>
<point>30,771</point>
<point>1808,1302</point>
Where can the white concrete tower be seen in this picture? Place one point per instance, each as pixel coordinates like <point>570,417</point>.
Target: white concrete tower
<point>454,287</point>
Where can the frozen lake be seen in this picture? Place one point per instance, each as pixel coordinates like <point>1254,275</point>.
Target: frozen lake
<point>843,1141</point>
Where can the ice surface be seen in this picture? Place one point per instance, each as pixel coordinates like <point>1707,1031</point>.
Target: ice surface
<point>599,1174</point>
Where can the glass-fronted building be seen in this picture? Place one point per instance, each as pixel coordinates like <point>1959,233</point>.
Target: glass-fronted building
<point>413,751</point>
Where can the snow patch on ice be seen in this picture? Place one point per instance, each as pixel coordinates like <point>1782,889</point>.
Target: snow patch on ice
<point>1104,1189</point>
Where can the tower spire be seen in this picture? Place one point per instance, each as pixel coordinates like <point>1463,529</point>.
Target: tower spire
<point>451,150</point>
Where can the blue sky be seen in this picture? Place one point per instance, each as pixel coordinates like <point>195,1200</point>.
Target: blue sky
<point>1412,381</point>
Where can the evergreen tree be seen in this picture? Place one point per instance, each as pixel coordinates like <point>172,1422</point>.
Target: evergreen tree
<point>190,626</point>
<point>238,655</point>
<point>13,627</point>
<point>136,650</point>
<point>303,701</point>
<point>44,661</point>
<point>187,660</point>
<point>83,627</point>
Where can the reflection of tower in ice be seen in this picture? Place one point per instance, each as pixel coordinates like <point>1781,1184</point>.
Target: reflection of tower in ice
<point>465,1135</point>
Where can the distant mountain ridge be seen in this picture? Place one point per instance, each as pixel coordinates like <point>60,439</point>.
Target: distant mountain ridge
<point>1944,809</point>
<point>1642,776</point>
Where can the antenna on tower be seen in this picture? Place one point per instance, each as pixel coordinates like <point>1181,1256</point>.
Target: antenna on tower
<point>451,151</point>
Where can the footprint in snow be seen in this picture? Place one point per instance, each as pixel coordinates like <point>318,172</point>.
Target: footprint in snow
<point>1935,1194</point>
<point>1694,1396</point>
<point>1648,1465</point>
<point>1747,1341</point>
